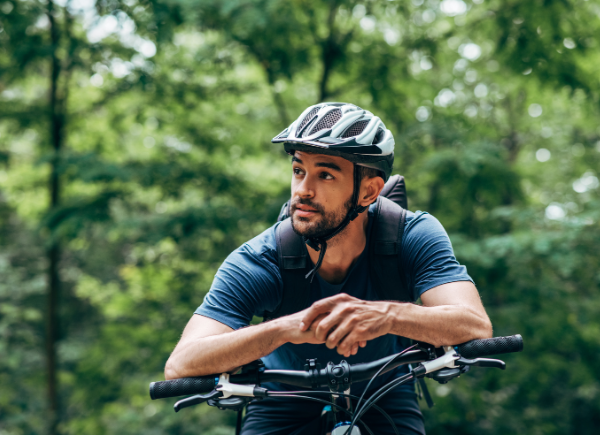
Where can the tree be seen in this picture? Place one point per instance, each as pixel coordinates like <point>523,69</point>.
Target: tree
<point>155,142</point>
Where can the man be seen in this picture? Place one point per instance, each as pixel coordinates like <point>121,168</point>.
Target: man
<point>342,156</point>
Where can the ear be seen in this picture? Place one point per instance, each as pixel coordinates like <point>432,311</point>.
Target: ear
<point>370,188</point>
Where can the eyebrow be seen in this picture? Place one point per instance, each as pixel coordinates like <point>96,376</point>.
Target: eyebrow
<point>321,164</point>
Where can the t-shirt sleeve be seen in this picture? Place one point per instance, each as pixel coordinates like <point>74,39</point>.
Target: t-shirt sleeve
<point>427,255</point>
<point>247,283</point>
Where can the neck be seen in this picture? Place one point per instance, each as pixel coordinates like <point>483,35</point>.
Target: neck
<point>342,250</point>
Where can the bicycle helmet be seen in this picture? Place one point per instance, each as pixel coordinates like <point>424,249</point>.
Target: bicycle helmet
<point>343,130</point>
<point>347,131</point>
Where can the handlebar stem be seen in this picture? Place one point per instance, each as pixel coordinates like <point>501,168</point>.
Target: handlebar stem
<point>339,376</point>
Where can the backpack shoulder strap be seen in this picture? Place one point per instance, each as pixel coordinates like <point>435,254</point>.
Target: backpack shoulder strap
<point>385,252</point>
<point>294,264</point>
<point>284,213</point>
<point>395,190</point>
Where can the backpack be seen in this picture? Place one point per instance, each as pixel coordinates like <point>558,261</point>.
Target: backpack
<point>384,247</point>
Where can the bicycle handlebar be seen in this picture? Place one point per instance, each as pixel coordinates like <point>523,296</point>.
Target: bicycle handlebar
<point>344,373</point>
<point>491,346</point>
<point>182,387</point>
<point>298,378</point>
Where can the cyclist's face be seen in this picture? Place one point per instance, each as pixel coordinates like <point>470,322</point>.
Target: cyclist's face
<point>321,192</point>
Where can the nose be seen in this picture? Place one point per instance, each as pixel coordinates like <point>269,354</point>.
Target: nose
<point>303,188</point>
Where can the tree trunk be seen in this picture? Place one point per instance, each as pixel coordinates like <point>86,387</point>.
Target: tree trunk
<point>53,253</point>
<point>329,52</point>
<point>52,337</point>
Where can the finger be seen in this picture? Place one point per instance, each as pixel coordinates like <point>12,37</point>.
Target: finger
<point>327,325</point>
<point>324,306</point>
<point>337,336</point>
<point>362,343</point>
<point>346,354</point>
<point>352,350</point>
<point>318,308</point>
<point>348,343</point>
<point>316,322</point>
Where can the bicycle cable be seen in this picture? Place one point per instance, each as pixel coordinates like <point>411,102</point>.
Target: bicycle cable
<point>316,399</point>
<point>381,392</point>
<point>379,371</point>
<point>378,408</point>
<point>371,381</point>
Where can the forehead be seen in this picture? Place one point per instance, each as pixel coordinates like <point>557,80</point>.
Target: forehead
<point>313,159</point>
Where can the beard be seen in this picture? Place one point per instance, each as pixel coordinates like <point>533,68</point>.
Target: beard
<point>323,223</point>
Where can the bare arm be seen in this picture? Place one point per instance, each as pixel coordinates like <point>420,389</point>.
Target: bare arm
<point>208,347</point>
<point>451,314</point>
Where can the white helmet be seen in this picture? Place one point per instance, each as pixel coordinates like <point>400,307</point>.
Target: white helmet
<point>343,130</point>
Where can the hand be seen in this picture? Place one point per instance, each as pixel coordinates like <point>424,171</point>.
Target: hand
<point>292,333</point>
<point>347,323</point>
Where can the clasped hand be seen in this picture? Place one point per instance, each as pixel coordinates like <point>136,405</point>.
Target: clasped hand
<point>346,323</point>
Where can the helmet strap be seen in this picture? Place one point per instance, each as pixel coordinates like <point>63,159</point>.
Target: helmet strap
<point>319,244</point>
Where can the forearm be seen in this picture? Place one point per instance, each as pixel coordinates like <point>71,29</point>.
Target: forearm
<point>223,352</point>
<point>438,325</point>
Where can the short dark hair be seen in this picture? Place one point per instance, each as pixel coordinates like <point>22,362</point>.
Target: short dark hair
<point>368,172</point>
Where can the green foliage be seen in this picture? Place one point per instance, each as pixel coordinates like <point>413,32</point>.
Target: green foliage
<point>167,166</point>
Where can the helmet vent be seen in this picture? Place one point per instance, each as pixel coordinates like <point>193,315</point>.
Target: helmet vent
<point>328,121</point>
<point>355,129</point>
<point>379,136</point>
<point>308,117</point>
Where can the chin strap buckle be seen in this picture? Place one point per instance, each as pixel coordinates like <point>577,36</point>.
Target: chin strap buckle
<point>353,214</point>
<point>315,244</point>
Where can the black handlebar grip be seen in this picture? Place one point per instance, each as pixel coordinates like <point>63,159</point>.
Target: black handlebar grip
<point>182,387</point>
<point>491,346</point>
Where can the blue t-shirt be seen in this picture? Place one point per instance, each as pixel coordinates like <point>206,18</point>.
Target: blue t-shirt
<point>248,283</point>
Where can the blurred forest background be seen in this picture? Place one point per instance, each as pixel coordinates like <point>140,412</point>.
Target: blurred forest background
<point>135,155</point>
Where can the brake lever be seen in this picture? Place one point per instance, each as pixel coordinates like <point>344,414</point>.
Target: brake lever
<point>197,399</point>
<point>481,362</point>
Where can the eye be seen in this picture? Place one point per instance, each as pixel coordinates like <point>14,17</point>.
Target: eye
<point>326,176</point>
<point>297,171</point>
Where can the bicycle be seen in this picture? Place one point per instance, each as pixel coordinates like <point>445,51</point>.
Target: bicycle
<point>235,391</point>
